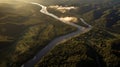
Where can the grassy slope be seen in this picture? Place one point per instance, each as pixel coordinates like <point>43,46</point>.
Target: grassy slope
<point>99,47</point>
<point>33,37</point>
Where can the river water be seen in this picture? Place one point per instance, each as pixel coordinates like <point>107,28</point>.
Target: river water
<point>58,40</point>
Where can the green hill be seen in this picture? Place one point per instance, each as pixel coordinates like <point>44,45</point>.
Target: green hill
<point>97,48</point>
<point>22,29</point>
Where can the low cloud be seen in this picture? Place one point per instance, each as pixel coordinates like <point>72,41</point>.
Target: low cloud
<point>69,19</point>
<point>62,9</point>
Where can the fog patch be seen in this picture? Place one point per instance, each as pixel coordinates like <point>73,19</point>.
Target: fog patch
<point>62,9</point>
<point>69,19</point>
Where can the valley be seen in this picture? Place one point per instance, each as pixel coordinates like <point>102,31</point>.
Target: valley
<point>75,33</point>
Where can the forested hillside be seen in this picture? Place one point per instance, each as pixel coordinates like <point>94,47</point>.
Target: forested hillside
<point>24,31</point>
<point>98,48</point>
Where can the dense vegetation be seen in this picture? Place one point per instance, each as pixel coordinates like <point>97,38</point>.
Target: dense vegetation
<point>23,30</point>
<point>98,48</point>
<point>89,49</point>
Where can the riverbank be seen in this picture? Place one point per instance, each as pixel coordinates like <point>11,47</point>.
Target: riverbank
<point>54,42</point>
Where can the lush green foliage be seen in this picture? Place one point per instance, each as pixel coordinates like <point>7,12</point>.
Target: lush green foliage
<point>97,48</point>
<point>26,31</point>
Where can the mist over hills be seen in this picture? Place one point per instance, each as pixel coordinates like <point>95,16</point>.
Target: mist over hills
<point>101,42</point>
<point>24,31</point>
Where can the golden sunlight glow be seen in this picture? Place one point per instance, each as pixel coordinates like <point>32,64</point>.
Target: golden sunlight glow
<point>17,3</point>
<point>13,1</point>
<point>6,1</point>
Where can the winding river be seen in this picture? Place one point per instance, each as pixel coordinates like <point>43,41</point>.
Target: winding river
<point>58,40</point>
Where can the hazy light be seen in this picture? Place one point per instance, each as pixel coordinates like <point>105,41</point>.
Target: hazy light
<point>6,1</point>
<point>16,1</point>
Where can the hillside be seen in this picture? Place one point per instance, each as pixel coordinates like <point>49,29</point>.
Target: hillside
<point>22,29</point>
<point>98,48</point>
